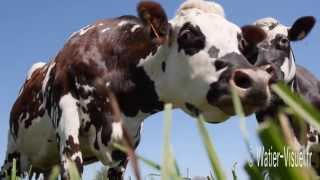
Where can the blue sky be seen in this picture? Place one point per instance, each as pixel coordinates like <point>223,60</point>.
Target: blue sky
<point>35,30</point>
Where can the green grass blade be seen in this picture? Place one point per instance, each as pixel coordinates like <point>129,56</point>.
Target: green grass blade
<point>14,170</point>
<point>243,127</point>
<point>234,173</point>
<point>216,167</point>
<point>177,169</point>
<point>169,170</point>
<point>148,162</point>
<point>54,173</point>
<point>272,139</point>
<point>73,172</point>
<point>299,105</point>
<point>253,171</point>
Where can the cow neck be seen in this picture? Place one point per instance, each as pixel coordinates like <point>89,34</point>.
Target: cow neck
<point>147,77</point>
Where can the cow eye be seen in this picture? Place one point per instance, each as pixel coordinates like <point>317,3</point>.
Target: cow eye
<point>281,42</point>
<point>220,65</point>
<point>186,34</point>
<point>284,43</point>
<point>191,39</point>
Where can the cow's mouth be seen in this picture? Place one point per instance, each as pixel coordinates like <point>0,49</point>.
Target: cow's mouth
<point>249,105</point>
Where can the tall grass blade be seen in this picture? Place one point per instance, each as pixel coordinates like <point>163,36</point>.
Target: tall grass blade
<point>73,172</point>
<point>54,173</point>
<point>148,162</point>
<point>168,170</point>
<point>234,173</point>
<point>253,171</point>
<point>273,140</point>
<point>14,170</point>
<point>243,127</point>
<point>299,105</point>
<point>216,167</point>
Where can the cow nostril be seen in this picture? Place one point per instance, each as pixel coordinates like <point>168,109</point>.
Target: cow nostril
<point>270,70</point>
<point>242,80</point>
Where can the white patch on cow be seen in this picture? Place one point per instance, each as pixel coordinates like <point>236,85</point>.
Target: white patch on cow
<point>72,35</point>
<point>69,122</point>
<point>83,115</point>
<point>117,132</point>
<point>81,32</point>
<point>135,27</point>
<point>85,29</point>
<point>134,125</point>
<point>288,68</point>
<point>88,100</point>
<point>123,23</point>
<point>108,84</point>
<point>76,155</point>
<point>104,153</point>
<point>46,79</point>
<point>204,6</point>
<point>88,88</point>
<point>33,141</point>
<point>34,67</point>
<point>27,116</point>
<point>277,28</point>
<point>105,29</point>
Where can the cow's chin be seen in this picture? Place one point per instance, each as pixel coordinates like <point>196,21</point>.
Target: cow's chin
<point>247,109</point>
<point>225,104</point>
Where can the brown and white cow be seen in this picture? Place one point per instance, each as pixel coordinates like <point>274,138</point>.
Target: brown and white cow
<point>275,51</point>
<point>63,113</point>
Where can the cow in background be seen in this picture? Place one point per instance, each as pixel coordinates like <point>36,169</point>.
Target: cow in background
<point>276,53</point>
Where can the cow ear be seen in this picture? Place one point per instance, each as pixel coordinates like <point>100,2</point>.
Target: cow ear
<point>155,18</point>
<point>253,34</point>
<point>301,28</point>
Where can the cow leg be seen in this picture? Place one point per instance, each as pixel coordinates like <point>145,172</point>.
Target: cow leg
<point>12,153</point>
<point>116,173</point>
<point>68,135</point>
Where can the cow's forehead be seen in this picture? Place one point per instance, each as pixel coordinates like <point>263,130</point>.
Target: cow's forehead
<point>272,27</point>
<point>218,32</point>
<point>276,31</point>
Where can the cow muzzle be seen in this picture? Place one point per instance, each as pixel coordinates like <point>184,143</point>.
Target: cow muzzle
<point>252,87</point>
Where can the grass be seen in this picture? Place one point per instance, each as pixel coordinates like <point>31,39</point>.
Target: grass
<point>269,134</point>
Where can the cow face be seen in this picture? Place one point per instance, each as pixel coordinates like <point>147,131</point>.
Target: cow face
<point>202,61</point>
<point>276,50</point>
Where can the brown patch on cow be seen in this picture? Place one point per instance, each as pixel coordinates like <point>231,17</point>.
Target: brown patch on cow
<point>71,147</point>
<point>27,106</point>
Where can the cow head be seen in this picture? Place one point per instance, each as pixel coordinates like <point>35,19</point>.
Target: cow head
<point>276,50</point>
<point>200,60</point>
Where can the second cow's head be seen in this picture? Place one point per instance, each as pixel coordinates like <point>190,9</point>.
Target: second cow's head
<point>275,51</point>
<point>200,59</point>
